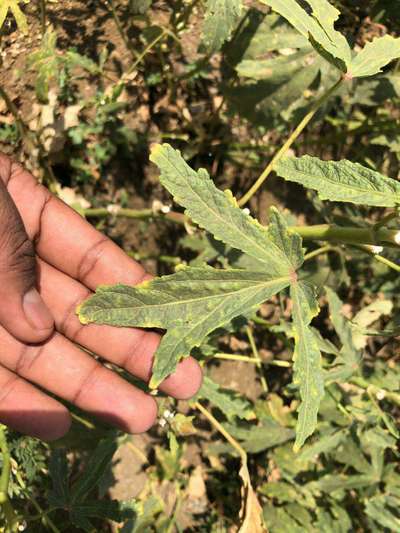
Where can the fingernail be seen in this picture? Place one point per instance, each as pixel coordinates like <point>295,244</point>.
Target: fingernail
<point>36,311</point>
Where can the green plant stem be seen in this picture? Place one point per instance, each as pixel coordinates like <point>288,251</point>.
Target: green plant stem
<point>168,259</point>
<point>348,235</point>
<point>46,520</point>
<point>21,128</point>
<point>144,53</point>
<point>390,396</point>
<point>378,257</point>
<point>292,138</point>
<point>120,29</point>
<point>5,503</point>
<point>257,359</point>
<point>248,359</point>
<point>233,442</point>
<point>319,251</point>
<point>100,212</point>
<point>42,5</point>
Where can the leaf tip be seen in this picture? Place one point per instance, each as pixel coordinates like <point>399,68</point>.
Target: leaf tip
<point>156,150</point>
<point>82,317</point>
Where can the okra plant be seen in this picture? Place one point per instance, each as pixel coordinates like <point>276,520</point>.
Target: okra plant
<point>194,301</point>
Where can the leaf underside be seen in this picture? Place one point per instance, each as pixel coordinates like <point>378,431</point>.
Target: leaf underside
<point>341,181</point>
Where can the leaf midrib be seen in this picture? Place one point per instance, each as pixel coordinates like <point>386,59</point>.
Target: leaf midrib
<point>220,295</point>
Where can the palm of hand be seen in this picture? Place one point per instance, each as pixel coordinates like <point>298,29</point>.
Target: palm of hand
<point>72,259</point>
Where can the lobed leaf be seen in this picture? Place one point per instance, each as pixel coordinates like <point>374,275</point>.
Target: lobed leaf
<point>374,56</point>
<point>307,361</point>
<point>318,26</point>
<point>218,213</point>
<point>220,19</point>
<point>190,304</point>
<point>341,181</point>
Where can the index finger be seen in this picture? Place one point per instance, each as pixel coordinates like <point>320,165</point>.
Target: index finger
<point>66,240</point>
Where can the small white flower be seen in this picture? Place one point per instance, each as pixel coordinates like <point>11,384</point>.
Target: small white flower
<point>162,423</point>
<point>246,211</point>
<point>380,395</point>
<point>165,209</point>
<point>168,414</point>
<point>397,238</point>
<point>113,209</point>
<point>376,249</point>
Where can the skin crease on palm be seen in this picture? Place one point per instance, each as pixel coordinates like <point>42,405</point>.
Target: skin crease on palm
<point>45,245</point>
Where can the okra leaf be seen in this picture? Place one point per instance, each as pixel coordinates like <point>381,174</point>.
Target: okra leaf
<point>307,366</point>
<point>189,304</point>
<point>99,460</point>
<point>228,401</point>
<point>341,181</point>
<point>220,19</point>
<point>114,510</point>
<point>375,55</point>
<point>318,27</point>
<point>218,213</point>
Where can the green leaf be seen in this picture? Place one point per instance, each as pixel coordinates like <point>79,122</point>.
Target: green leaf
<point>307,361</point>
<point>190,304</point>
<point>58,470</point>
<point>318,26</point>
<point>229,402</point>
<point>255,439</point>
<point>104,509</point>
<point>348,361</point>
<point>374,56</point>
<point>383,509</point>
<point>323,445</point>
<point>341,181</point>
<point>220,19</point>
<point>367,316</point>
<point>195,301</point>
<point>218,213</point>
<point>99,460</point>
<point>279,84</point>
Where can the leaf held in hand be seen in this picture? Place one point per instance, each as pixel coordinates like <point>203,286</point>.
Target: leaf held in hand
<point>189,304</point>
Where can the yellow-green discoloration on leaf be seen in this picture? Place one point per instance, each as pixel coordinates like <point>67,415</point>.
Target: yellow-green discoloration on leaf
<point>189,304</point>
<point>307,360</point>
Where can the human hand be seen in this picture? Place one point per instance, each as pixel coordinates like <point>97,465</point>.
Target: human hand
<point>45,245</point>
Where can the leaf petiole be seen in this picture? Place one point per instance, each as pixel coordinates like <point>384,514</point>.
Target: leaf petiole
<point>292,138</point>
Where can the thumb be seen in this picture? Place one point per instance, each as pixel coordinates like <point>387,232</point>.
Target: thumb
<point>22,311</point>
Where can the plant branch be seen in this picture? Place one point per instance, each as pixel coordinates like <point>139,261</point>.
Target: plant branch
<point>257,359</point>
<point>117,211</point>
<point>8,510</point>
<point>233,442</point>
<point>285,147</point>
<point>348,235</point>
<point>319,251</point>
